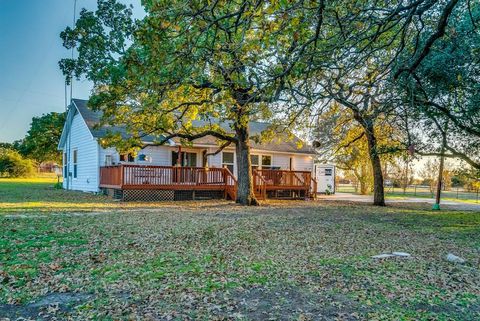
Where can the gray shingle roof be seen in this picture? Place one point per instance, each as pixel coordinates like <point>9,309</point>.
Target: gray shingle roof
<point>93,118</point>
<point>279,144</point>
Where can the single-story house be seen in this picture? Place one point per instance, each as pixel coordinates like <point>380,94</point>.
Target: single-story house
<point>173,171</point>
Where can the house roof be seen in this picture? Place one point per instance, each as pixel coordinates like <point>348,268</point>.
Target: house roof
<point>279,144</point>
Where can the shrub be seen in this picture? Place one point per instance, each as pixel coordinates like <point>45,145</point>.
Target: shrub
<point>12,164</point>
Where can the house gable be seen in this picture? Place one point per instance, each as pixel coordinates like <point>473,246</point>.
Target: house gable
<point>80,150</point>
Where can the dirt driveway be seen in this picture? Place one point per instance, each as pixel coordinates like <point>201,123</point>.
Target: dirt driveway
<point>452,205</point>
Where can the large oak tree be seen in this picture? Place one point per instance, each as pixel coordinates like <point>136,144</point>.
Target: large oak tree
<point>222,63</point>
<point>371,46</point>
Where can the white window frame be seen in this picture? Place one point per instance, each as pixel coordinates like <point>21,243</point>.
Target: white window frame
<point>110,163</point>
<point>75,163</point>
<point>271,161</point>
<point>224,164</point>
<point>65,165</point>
<point>127,156</point>
<point>257,164</point>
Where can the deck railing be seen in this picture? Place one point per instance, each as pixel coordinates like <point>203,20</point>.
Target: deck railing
<point>149,176</point>
<point>272,179</point>
<point>230,184</point>
<point>128,176</point>
<point>111,177</point>
<point>313,189</point>
<point>259,185</point>
<point>285,178</point>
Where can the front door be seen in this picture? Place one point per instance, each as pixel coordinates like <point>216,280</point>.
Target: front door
<point>184,175</point>
<point>186,159</point>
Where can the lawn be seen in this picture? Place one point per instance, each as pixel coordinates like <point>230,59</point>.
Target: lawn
<point>66,255</point>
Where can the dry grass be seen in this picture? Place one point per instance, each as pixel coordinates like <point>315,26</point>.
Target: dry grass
<point>218,261</point>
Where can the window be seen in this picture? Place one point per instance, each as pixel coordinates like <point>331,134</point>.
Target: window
<point>266,161</point>
<point>65,165</point>
<point>228,160</point>
<point>254,161</point>
<point>186,159</point>
<point>108,160</point>
<point>328,172</point>
<point>190,159</point>
<point>75,164</point>
<point>127,158</point>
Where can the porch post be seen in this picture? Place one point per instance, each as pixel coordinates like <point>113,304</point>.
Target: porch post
<point>179,164</point>
<point>179,156</point>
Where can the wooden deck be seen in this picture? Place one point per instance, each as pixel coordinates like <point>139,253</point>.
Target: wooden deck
<point>267,183</point>
<point>148,177</point>
<point>271,183</point>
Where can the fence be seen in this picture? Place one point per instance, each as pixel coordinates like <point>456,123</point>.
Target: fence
<point>423,191</point>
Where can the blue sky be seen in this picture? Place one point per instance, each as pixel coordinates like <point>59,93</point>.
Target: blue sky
<point>31,83</point>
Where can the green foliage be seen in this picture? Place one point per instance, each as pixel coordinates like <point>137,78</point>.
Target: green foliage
<point>343,142</point>
<point>12,164</point>
<point>160,74</point>
<point>42,138</point>
<point>189,69</point>
<point>442,95</point>
<point>467,177</point>
<point>58,185</point>
<point>7,145</point>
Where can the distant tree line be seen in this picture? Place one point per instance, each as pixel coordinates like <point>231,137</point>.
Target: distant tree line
<point>21,158</point>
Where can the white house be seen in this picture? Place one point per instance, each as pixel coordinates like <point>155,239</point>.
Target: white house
<point>83,156</point>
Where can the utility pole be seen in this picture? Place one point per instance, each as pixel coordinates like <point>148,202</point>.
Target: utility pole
<point>73,48</point>
<point>67,109</point>
<point>436,206</point>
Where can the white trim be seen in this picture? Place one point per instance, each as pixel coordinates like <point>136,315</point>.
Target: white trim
<point>252,150</point>
<point>78,110</point>
<point>169,143</point>
<point>279,152</point>
<point>260,156</point>
<point>66,128</point>
<point>234,163</point>
<point>74,172</point>
<point>271,160</point>
<point>98,166</point>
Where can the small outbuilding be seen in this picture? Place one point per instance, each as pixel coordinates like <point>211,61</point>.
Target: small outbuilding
<point>325,176</point>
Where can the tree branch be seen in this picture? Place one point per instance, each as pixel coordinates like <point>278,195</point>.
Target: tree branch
<point>440,32</point>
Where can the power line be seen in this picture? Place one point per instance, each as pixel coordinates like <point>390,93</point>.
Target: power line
<point>73,47</point>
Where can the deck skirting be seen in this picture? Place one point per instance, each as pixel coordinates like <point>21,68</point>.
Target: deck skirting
<point>161,195</point>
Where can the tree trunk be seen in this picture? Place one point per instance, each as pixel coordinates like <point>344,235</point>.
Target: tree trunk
<point>378,192</point>
<point>362,180</point>
<point>245,192</point>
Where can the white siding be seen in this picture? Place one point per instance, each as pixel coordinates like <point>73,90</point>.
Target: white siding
<point>108,151</point>
<point>215,160</point>
<point>299,162</point>
<point>158,155</point>
<point>282,161</point>
<point>87,157</point>
<point>303,163</point>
